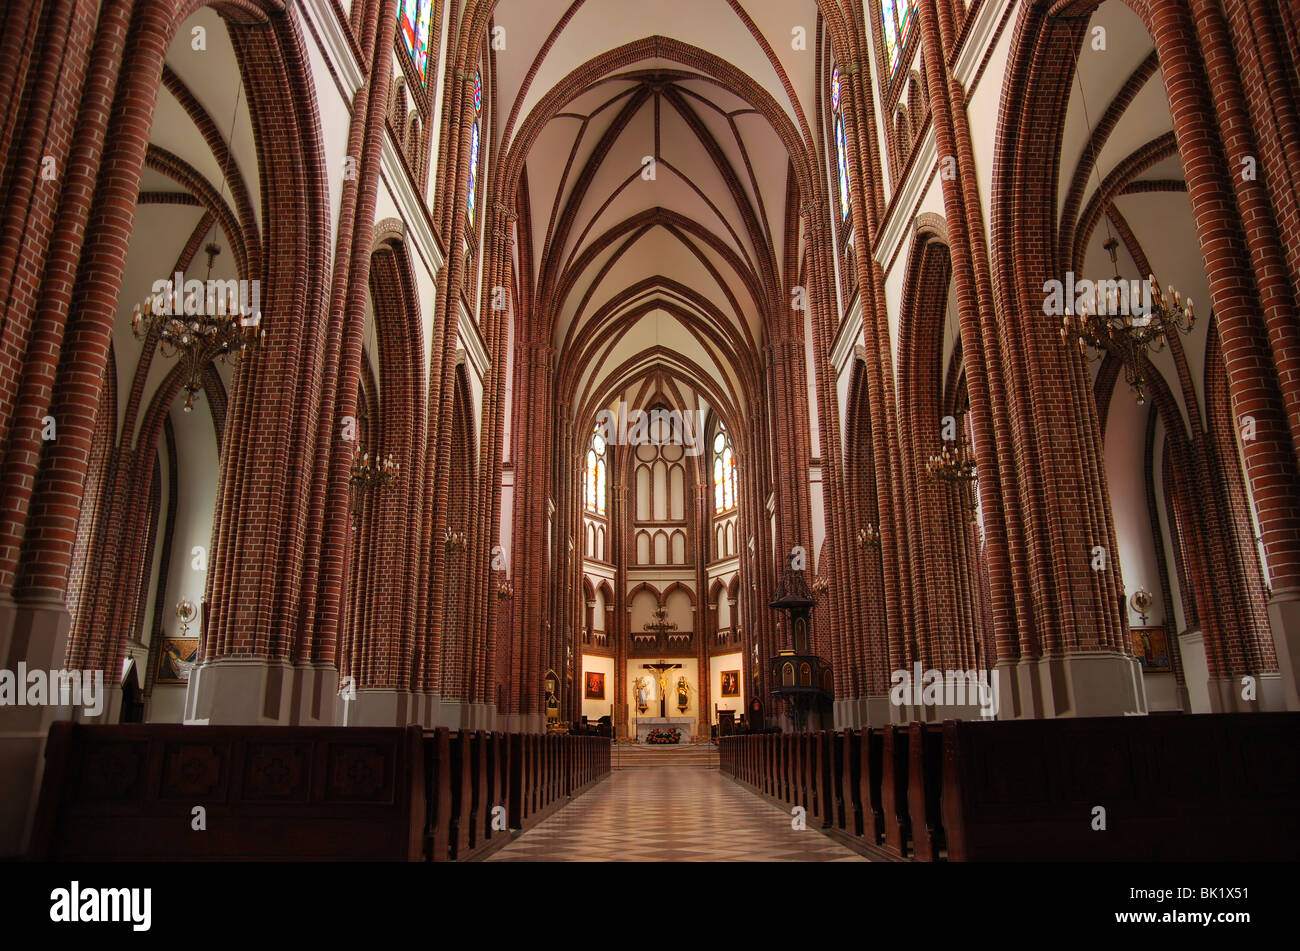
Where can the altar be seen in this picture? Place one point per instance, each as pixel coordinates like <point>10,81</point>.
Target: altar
<point>683,725</point>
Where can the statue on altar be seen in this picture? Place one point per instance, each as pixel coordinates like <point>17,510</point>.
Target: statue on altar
<point>682,699</point>
<point>642,694</point>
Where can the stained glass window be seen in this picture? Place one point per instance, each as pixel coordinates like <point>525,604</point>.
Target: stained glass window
<point>724,472</point>
<point>471,200</point>
<point>597,467</point>
<point>413,22</point>
<point>844,167</point>
<point>899,18</point>
<point>841,150</point>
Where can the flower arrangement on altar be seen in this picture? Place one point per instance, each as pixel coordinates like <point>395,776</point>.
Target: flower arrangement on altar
<point>664,736</point>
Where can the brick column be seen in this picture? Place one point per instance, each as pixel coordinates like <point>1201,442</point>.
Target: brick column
<point>1226,245</point>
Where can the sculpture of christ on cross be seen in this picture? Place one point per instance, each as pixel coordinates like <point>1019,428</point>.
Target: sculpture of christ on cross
<point>661,669</point>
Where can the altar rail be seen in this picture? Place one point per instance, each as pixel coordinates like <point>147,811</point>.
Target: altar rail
<point>299,793</point>
<point>1205,787</point>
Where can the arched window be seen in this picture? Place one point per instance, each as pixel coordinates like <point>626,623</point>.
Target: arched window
<point>724,472</point>
<point>597,467</point>
<point>841,150</point>
<point>413,20</point>
<point>471,200</point>
<point>899,18</point>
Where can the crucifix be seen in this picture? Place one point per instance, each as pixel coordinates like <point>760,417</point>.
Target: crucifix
<point>661,669</point>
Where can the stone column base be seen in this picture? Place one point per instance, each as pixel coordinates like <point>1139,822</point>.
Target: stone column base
<point>1091,684</point>
<point>233,691</point>
<point>1284,619</point>
<point>36,634</point>
<point>1229,694</point>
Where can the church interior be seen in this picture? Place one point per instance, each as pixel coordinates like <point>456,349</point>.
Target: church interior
<point>457,430</point>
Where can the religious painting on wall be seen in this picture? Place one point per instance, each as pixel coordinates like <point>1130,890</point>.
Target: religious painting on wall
<point>731,683</point>
<point>1151,645</point>
<point>595,685</point>
<point>177,657</point>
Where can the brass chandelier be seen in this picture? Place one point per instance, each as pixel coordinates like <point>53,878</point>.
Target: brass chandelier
<point>954,464</point>
<point>369,474</point>
<point>198,328</point>
<point>660,625</point>
<point>1128,331</point>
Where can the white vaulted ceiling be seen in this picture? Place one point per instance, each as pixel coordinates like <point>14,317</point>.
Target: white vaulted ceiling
<point>705,236</point>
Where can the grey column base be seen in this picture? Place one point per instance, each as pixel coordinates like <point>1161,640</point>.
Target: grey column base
<point>255,691</point>
<point>36,634</point>
<point>1092,684</point>
<point>1227,694</point>
<point>1284,619</point>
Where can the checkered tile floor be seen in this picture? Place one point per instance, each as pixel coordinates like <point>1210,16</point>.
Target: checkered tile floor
<point>671,814</point>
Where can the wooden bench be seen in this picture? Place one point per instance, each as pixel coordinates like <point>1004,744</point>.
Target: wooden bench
<point>1202,788</point>
<point>130,792</point>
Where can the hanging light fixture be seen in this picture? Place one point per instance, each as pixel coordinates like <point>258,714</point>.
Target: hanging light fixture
<point>198,328</point>
<point>369,474</point>
<point>1131,333</point>
<point>1115,322</point>
<point>202,324</point>
<point>869,537</point>
<point>455,541</point>
<point>954,463</point>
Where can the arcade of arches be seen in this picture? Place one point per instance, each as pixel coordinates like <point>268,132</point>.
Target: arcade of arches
<point>569,325</point>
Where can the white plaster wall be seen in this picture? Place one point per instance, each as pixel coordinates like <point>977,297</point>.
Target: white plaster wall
<point>717,665</point>
<point>594,709</point>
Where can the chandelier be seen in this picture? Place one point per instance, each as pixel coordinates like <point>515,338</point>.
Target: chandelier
<point>369,474</point>
<point>660,625</point>
<point>821,584</point>
<point>1115,323</point>
<point>455,540</point>
<point>954,464</point>
<point>199,328</point>
<point>505,589</point>
<point>869,537</point>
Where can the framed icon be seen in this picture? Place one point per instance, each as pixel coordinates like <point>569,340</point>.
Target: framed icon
<point>1151,645</point>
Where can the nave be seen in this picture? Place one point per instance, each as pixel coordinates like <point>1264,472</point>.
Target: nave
<point>671,814</point>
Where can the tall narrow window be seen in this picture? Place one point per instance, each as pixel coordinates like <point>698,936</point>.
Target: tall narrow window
<point>471,200</point>
<point>899,18</point>
<point>414,18</point>
<point>841,149</point>
<point>724,472</point>
<point>597,467</point>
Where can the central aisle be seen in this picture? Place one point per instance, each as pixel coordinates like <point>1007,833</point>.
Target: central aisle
<point>671,814</point>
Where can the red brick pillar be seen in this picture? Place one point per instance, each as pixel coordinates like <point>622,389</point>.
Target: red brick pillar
<point>1060,635</point>
<point>889,562</point>
<point>56,86</point>
<point>1238,297</point>
<point>268,650</point>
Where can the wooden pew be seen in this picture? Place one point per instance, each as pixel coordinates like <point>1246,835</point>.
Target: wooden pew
<point>925,784</point>
<point>871,756</point>
<point>437,758</point>
<point>1209,787</point>
<point>127,792</point>
<point>462,793</point>
<point>893,788</point>
<point>851,779</point>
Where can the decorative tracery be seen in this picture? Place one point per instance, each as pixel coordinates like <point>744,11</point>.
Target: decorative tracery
<point>471,199</point>
<point>724,471</point>
<point>841,149</point>
<point>898,20</point>
<point>597,469</point>
<point>413,19</point>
